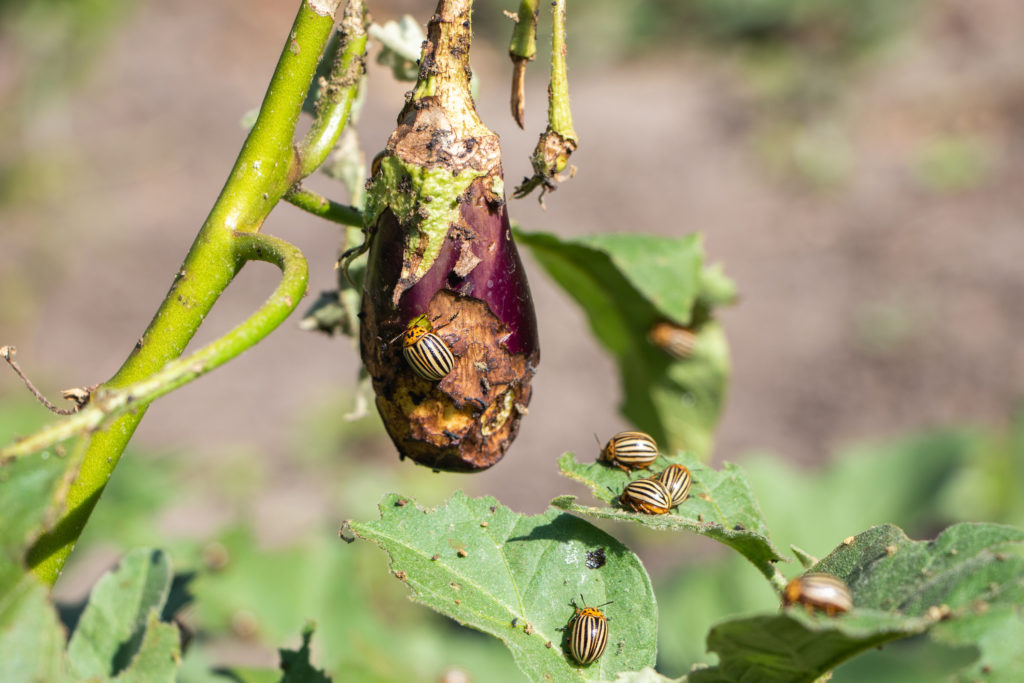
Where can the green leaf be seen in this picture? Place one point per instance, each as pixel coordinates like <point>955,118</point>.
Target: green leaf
<point>666,271</point>
<point>721,505</point>
<point>296,665</point>
<point>715,288</point>
<point>628,283</point>
<point>514,577</point>
<point>158,657</point>
<point>360,611</point>
<point>646,675</point>
<point>967,583</point>
<point>31,636</point>
<point>795,646</point>
<point>806,559</point>
<point>31,490</point>
<point>115,628</point>
<point>972,575</point>
<point>400,46</point>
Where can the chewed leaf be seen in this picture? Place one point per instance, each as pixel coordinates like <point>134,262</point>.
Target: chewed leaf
<point>971,576</point>
<point>514,576</point>
<point>966,587</point>
<point>296,665</point>
<point>793,646</point>
<point>721,505</point>
<point>649,301</point>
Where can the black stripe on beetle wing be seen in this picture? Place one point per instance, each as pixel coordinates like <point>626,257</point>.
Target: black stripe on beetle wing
<point>430,357</point>
<point>676,480</point>
<point>634,448</point>
<point>443,360</point>
<point>588,637</point>
<point>650,492</point>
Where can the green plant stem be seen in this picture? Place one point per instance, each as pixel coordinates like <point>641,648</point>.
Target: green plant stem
<point>265,169</point>
<point>339,92</point>
<point>524,34</point>
<point>559,113</point>
<point>321,206</point>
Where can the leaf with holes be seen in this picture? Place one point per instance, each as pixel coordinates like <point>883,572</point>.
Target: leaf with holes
<point>965,587</point>
<point>721,504</point>
<point>514,577</point>
<point>795,646</point>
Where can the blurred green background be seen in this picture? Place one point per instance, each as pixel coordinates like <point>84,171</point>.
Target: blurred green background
<point>855,166</point>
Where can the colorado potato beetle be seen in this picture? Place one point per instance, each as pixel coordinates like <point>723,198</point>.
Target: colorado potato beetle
<point>588,633</point>
<point>676,480</point>
<point>675,340</point>
<point>646,495</point>
<point>425,352</point>
<point>818,591</point>
<point>630,451</point>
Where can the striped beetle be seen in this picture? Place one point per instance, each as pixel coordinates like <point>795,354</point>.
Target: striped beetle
<point>588,633</point>
<point>425,352</point>
<point>630,450</point>
<point>646,495</point>
<point>819,591</point>
<point>675,340</point>
<point>676,480</point>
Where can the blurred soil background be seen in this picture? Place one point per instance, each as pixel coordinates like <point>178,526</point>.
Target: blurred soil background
<point>858,168</point>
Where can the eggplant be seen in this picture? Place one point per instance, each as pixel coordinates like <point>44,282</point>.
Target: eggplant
<point>440,246</point>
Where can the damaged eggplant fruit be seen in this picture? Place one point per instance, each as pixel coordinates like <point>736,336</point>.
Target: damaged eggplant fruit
<point>440,246</point>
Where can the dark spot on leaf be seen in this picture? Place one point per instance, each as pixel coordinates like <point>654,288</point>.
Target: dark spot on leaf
<point>739,527</point>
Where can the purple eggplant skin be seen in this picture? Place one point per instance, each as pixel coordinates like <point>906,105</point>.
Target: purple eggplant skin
<point>467,420</point>
<point>472,287</point>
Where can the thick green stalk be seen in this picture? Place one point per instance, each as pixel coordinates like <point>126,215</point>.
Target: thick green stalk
<point>266,168</point>
<point>557,143</point>
<point>559,113</point>
<point>339,92</point>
